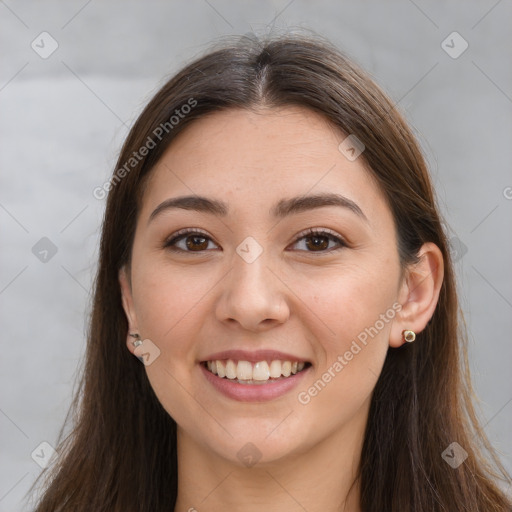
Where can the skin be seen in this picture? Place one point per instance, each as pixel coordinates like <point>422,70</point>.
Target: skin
<point>292,298</point>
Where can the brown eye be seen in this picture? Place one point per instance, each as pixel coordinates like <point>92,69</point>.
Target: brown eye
<point>313,241</point>
<point>319,241</point>
<point>194,242</point>
<point>188,241</point>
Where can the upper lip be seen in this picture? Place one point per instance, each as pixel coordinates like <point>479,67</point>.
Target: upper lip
<point>254,356</point>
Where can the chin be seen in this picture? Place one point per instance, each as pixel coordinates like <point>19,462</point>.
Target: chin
<point>253,441</point>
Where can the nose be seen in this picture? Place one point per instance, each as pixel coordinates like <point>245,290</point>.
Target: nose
<point>253,296</point>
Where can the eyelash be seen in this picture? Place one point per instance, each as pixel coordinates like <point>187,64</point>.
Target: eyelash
<point>327,233</point>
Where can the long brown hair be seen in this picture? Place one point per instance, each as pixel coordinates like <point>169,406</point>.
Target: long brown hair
<point>121,453</point>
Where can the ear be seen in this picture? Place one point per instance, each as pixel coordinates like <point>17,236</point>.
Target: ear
<point>419,293</point>
<point>129,309</point>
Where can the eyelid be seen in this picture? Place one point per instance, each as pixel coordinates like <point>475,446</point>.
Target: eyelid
<point>329,233</point>
<point>319,231</point>
<point>309,231</point>
<point>186,231</point>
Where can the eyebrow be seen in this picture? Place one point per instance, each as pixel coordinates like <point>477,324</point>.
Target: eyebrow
<point>283,208</point>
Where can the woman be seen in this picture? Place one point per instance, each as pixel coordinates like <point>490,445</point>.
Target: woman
<point>273,257</point>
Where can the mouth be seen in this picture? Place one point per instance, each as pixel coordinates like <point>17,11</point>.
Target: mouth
<point>255,373</point>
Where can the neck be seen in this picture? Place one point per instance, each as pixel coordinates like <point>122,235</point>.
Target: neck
<point>322,478</point>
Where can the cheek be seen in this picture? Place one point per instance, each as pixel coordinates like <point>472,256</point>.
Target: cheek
<point>169,313</point>
<point>350,301</point>
<point>169,306</point>
<point>163,297</point>
<point>358,308</point>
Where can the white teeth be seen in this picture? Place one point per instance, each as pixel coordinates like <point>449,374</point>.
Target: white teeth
<point>244,370</point>
<point>221,369</point>
<point>275,369</point>
<point>260,371</point>
<point>231,369</point>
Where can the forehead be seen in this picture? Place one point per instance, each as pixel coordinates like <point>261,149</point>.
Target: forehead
<point>252,159</point>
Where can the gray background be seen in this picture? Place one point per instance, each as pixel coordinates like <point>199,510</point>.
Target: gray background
<point>63,119</point>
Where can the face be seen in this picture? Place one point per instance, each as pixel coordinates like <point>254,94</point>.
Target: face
<point>268,310</point>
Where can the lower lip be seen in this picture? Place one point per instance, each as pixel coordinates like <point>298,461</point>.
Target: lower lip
<point>253,392</point>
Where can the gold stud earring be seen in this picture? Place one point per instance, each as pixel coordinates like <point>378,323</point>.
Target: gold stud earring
<point>409,336</point>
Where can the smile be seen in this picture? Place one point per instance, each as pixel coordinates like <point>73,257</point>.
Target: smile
<point>260,372</point>
<point>260,376</point>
